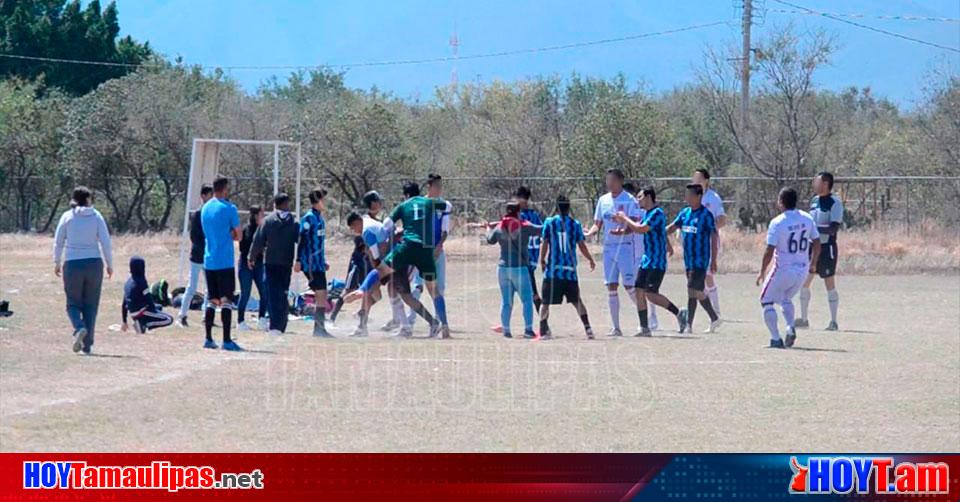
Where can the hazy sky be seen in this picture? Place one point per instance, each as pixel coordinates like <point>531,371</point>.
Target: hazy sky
<point>288,32</point>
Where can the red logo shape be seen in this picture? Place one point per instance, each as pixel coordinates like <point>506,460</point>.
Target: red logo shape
<point>799,481</point>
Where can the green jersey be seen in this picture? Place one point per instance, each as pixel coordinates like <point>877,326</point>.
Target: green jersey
<point>417,214</point>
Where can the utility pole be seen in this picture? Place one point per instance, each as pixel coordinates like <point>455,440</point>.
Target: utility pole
<point>745,63</point>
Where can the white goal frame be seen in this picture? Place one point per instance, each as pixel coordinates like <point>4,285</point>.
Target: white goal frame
<point>204,168</point>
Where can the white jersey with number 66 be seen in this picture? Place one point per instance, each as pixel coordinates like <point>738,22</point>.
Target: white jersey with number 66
<point>791,233</point>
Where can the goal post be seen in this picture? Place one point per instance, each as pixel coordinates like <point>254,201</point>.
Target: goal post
<point>204,168</point>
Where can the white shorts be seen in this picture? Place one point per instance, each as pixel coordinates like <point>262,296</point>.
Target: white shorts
<point>620,261</point>
<point>782,284</point>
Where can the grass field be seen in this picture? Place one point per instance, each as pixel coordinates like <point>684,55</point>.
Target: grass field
<point>888,381</point>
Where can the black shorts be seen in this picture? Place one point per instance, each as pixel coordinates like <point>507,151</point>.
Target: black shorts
<point>359,268</point>
<point>555,290</point>
<point>221,283</point>
<point>827,262</point>
<point>649,279</point>
<point>697,279</point>
<point>317,281</point>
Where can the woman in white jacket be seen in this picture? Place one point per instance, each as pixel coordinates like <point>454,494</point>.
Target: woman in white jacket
<point>82,245</point>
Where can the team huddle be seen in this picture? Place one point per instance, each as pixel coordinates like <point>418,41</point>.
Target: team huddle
<point>404,252</point>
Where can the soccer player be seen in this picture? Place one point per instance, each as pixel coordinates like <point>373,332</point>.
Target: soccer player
<point>638,246</point>
<point>827,211</point>
<point>792,242</point>
<point>312,260</point>
<point>653,265</point>
<point>441,229</point>
<point>416,216</point>
<point>619,255</point>
<point>531,215</point>
<point>197,246</point>
<point>221,227</point>
<point>699,231</point>
<point>561,233</point>
<point>711,200</point>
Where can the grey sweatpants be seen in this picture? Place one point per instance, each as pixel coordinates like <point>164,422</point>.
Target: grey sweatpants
<point>81,283</point>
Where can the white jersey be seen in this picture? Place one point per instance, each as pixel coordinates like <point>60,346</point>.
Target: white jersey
<point>711,200</point>
<point>374,234</point>
<point>792,233</point>
<point>608,206</point>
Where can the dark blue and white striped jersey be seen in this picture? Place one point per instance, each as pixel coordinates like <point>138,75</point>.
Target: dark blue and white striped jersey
<point>313,236</point>
<point>562,233</point>
<point>697,226</point>
<point>655,240</point>
<point>532,216</point>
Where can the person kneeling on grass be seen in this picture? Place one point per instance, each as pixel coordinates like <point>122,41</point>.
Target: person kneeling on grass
<point>138,302</point>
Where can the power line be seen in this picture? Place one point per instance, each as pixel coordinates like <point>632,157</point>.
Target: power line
<point>869,16</point>
<point>866,27</point>
<point>400,62</point>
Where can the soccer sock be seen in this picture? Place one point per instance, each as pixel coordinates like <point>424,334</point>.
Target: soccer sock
<point>363,318</point>
<point>833,298</point>
<point>440,306</point>
<point>585,319</point>
<point>370,280</point>
<point>422,312</point>
<point>613,300</point>
<point>709,308</point>
<point>673,309</point>
<point>804,303</point>
<point>770,319</point>
<point>208,321</point>
<point>652,312</point>
<point>714,295</point>
<point>691,310</point>
<point>788,312</point>
<point>643,318</point>
<point>544,327</point>
<point>226,317</point>
<point>336,309</point>
<point>396,305</point>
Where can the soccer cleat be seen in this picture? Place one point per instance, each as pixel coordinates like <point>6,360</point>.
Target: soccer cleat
<point>644,332</point>
<point>615,332</point>
<point>263,324</point>
<point>546,335</point>
<point>243,326</point>
<point>359,332</point>
<point>275,332</point>
<point>79,336</point>
<point>529,334</point>
<point>435,330</point>
<point>210,344</point>
<point>832,326</point>
<point>776,344</point>
<point>801,323</point>
<point>391,325</point>
<point>791,337</point>
<point>445,333</point>
<point>232,346</point>
<point>182,322</point>
<point>714,326</point>
<point>589,334</point>
<point>682,320</point>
